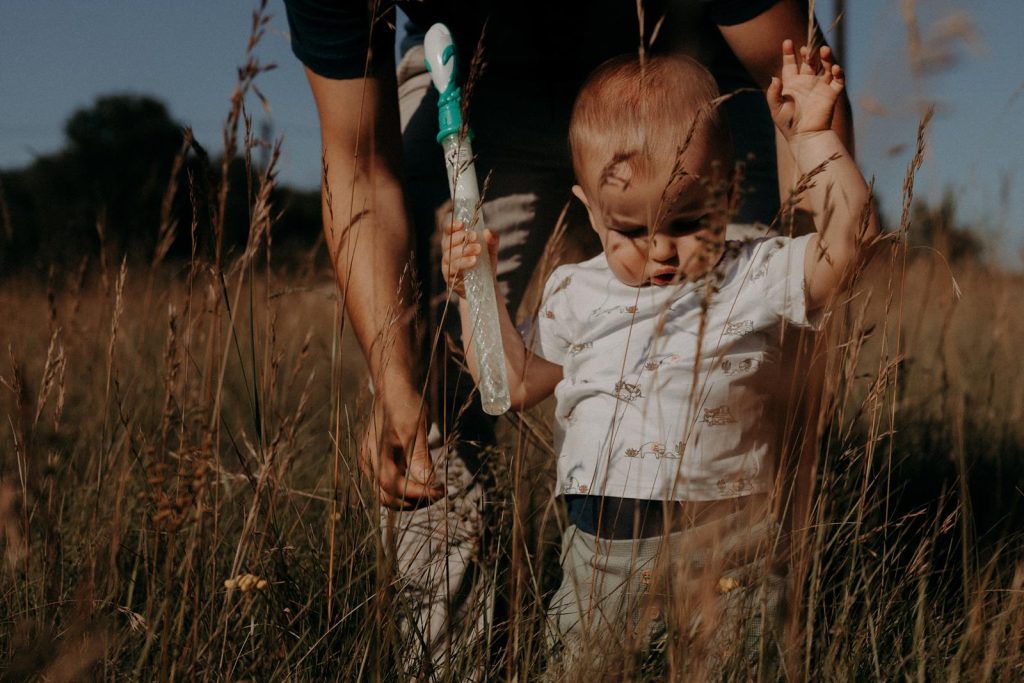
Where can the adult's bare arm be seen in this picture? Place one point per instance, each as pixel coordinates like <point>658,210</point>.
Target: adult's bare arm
<point>756,44</point>
<point>366,227</point>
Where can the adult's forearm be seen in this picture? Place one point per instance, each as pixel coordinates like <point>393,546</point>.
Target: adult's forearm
<point>366,230</point>
<point>366,225</point>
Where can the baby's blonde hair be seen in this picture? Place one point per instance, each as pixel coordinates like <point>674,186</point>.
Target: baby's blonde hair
<point>642,114</point>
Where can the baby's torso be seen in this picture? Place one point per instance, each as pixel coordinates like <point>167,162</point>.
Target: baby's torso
<point>668,392</point>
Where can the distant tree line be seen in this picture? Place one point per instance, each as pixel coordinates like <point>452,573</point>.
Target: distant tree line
<point>112,183</point>
<point>939,228</point>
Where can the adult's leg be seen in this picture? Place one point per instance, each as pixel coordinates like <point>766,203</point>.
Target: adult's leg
<point>445,556</point>
<point>444,592</point>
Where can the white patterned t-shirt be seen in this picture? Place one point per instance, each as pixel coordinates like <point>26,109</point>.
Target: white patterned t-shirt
<point>666,391</point>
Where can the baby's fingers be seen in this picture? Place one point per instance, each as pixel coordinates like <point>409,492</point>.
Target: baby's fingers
<point>789,65</point>
<point>455,239</point>
<point>774,94</point>
<point>493,241</point>
<point>829,69</point>
<point>825,55</point>
<point>838,80</point>
<point>805,62</point>
<point>464,257</point>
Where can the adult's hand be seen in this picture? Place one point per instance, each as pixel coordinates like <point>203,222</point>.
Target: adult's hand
<point>395,456</point>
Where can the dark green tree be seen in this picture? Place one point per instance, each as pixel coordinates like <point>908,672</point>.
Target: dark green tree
<point>111,173</point>
<point>111,178</point>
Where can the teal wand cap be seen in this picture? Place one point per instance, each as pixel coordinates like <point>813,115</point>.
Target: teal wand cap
<point>441,62</point>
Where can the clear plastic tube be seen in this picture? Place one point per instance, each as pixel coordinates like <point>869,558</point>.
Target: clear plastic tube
<point>485,331</point>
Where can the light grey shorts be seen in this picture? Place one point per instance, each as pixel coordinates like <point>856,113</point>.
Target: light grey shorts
<point>709,596</point>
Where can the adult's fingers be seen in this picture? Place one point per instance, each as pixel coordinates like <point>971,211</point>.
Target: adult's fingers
<point>381,460</point>
<point>389,481</point>
<point>419,471</point>
<point>379,472</point>
<point>401,491</point>
<point>411,495</point>
<point>415,483</point>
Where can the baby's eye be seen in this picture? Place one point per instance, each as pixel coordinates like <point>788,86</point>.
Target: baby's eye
<point>633,233</point>
<point>679,228</point>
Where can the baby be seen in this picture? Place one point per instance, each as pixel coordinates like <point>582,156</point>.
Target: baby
<point>663,351</point>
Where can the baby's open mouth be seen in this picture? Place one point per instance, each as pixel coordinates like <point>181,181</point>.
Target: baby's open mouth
<point>664,276</point>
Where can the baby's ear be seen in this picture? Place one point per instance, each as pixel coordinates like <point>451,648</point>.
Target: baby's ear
<point>582,196</point>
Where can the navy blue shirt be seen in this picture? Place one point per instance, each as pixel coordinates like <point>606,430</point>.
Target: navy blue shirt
<point>553,40</point>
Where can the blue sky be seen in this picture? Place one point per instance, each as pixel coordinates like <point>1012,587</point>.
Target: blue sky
<point>58,56</point>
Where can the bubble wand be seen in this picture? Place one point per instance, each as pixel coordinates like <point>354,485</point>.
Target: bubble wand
<point>479,282</point>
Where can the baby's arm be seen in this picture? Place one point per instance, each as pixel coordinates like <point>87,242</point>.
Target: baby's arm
<point>802,103</point>
<point>530,378</point>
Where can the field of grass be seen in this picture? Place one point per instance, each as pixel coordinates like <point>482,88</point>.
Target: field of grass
<point>179,496</point>
<point>166,431</point>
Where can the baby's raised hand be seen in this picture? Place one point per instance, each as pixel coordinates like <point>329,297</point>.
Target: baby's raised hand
<point>804,99</point>
<point>459,251</point>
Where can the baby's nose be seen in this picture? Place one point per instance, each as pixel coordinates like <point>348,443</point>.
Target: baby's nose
<point>662,248</point>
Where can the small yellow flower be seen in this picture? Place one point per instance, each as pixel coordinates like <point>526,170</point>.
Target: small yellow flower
<point>246,582</point>
<point>726,584</point>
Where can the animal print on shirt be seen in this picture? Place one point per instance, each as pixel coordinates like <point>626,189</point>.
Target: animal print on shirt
<point>627,392</point>
<point>577,348</point>
<point>722,415</point>
<point>735,367</point>
<point>656,449</point>
<point>739,328</point>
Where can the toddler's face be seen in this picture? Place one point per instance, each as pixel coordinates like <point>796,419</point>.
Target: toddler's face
<point>653,235</point>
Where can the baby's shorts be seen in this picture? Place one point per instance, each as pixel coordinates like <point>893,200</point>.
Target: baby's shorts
<point>708,599</point>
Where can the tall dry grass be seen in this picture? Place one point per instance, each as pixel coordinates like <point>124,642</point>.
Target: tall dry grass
<point>178,495</point>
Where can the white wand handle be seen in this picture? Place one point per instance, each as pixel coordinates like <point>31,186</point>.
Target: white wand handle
<point>479,281</point>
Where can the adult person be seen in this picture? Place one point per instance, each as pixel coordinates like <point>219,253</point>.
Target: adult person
<point>384,182</point>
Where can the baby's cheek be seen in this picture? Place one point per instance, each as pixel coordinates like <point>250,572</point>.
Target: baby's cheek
<point>697,261</point>
<point>625,262</point>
